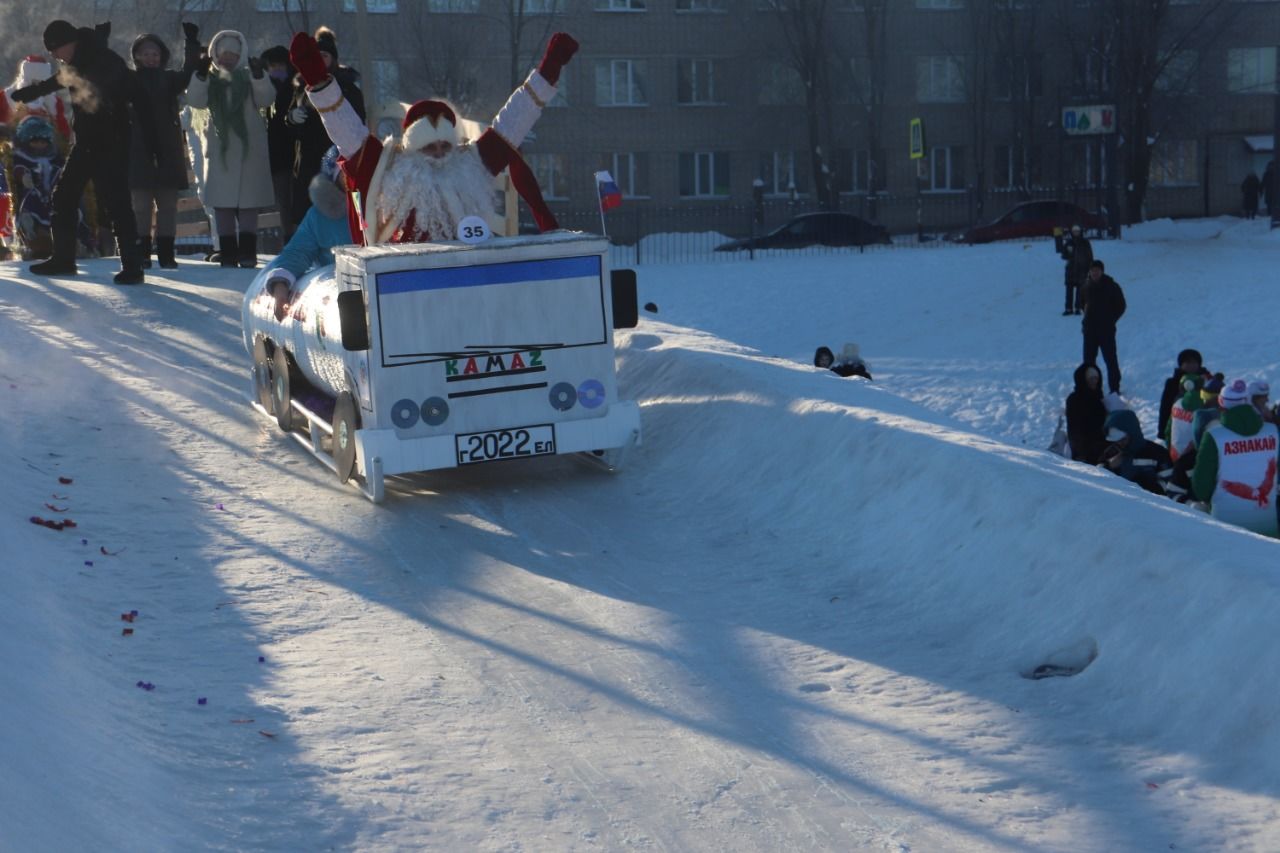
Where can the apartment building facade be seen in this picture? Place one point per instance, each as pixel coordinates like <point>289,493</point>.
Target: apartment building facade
<point>699,102</point>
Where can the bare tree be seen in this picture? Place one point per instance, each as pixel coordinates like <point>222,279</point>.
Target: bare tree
<point>1137,43</point>
<point>1018,53</point>
<point>805,44</point>
<point>870,84</point>
<point>444,44</point>
<point>526,25</point>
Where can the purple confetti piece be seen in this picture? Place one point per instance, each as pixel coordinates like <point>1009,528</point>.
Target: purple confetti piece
<point>133,613</point>
<point>219,506</point>
<point>261,659</point>
<point>88,562</point>
<point>84,541</point>
<point>202,701</point>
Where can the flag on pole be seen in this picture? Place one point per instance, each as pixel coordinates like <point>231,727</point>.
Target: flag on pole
<point>610,195</point>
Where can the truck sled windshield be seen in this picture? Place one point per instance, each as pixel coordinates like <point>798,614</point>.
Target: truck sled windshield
<point>546,304</point>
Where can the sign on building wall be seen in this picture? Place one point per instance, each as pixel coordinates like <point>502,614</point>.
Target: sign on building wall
<point>917,139</point>
<point>1086,121</point>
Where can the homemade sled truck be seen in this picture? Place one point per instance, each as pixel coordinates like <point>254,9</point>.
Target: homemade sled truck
<point>405,358</point>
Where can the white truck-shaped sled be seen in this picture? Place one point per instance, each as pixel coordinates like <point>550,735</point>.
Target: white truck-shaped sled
<point>404,358</point>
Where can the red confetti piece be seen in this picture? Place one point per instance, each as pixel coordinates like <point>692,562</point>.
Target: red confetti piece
<point>241,722</point>
<point>128,617</point>
<point>266,733</point>
<point>126,632</point>
<point>51,524</point>
<point>59,497</point>
<point>107,553</point>
<point>66,522</point>
<point>56,508</point>
<point>66,481</point>
<point>1152,785</point>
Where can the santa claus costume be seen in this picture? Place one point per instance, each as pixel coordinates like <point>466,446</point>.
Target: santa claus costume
<point>417,187</point>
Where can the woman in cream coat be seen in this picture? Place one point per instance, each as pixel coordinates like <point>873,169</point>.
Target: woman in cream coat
<point>237,172</point>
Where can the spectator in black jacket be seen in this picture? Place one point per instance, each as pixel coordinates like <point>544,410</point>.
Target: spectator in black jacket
<point>1104,305</point>
<point>280,135</point>
<point>311,140</point>
<point>1077,251</point>
<point>156,181</point>
<point>1086,414</point>
<point>102,88</point>
<point>1189,361</point>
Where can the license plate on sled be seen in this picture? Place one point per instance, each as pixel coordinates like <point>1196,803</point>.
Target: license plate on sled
<point>499,444</point>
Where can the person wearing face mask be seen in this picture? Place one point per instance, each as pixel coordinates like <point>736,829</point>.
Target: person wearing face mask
<point>233,87</point>
<point>418,187</point>
<point>280,135</point>
<point>155,181</point>
<point>102,90</point>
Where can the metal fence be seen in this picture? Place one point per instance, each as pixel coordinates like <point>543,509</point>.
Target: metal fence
<point>691,232</point>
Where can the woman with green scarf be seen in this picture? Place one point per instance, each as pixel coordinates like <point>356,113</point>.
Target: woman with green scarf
<point>237,171</point>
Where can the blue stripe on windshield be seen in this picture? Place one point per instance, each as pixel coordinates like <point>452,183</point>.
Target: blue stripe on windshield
<point>408,281</point>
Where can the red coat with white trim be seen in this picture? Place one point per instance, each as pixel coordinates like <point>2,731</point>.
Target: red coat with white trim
<point>366,160</point>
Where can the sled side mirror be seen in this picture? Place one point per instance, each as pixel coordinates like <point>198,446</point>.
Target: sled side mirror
<point>626,313</point>
<point>355,327</point>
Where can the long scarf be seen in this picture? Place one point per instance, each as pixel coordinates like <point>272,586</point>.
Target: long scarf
<point>227,96</point>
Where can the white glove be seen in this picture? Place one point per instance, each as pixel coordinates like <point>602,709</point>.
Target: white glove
<point>298,115</point>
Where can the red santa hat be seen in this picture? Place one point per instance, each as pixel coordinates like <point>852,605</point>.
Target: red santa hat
<point>427,122</point>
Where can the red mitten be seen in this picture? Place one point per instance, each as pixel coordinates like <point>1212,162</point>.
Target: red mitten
<point>305,56</point>
<point>560,50</point>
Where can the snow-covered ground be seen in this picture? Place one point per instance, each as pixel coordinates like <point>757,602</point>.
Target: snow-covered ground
<point>798,620</point>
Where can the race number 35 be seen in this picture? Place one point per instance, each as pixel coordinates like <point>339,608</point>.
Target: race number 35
<point>473,229</point>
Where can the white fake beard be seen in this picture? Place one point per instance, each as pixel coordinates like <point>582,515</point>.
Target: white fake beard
<point>440,191</point>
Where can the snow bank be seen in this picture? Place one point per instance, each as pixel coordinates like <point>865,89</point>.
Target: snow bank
<point>1003,555</point>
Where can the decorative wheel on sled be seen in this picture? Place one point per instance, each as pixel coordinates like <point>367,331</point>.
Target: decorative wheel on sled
<point>280,389</point>
<point>262,369</point>
<point>345,423</point>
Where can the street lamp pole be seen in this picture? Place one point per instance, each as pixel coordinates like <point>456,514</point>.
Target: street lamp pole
<point>366,65</point>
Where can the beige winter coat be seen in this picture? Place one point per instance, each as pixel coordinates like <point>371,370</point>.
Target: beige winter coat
<point>243,178</point>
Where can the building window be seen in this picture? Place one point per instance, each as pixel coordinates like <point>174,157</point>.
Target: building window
<point>378,7</point>
<point>939,80</point>
<point>281,5</point>
<point>444,7</point>
<point>1251,70</point>
<point>1015,167</point>
<point>631,173</point>
<point>695,81</point>
<point>1174,163</point>
<point>704,174</point>
<point>702,6</point>
<point>1017,78</point>
<point>551,170</point>
<point>620,83</point>
<point>780,85</point>
<point>778,171</point>
<point>542,7</point>
<point>939,4</point>
<point>385,81</point>
<point>1092,74</point>
<point>620,5</point>
<point>855,171</point>
<point>188,5</point>
<point>1178,77</point>
<point>107,7</point>
<point>1088,168</point>
<point>561,97</point>
<point>946,168</point>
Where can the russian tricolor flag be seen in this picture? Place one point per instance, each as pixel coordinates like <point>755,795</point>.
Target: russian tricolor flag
<point>610,195</point>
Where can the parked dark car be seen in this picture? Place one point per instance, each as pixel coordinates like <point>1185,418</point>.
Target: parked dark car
<point>1035,219</point>
<point>814,229</point>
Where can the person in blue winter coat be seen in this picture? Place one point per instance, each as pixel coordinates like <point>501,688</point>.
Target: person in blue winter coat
<point>323,227</point>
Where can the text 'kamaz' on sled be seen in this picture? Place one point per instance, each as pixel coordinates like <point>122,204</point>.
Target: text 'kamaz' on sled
<point>404,358</point>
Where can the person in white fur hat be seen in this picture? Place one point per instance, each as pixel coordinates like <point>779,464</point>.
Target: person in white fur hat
<point>850,362</point>
<point>31,70</point>
<point>420,186</point>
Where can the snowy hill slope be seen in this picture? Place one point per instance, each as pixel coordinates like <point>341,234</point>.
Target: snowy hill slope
<point>798,620</point>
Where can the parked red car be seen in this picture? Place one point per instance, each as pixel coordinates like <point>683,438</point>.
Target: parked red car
<point>1036,219</point>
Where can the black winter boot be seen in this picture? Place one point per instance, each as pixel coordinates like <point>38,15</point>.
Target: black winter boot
<point>164,253</point>
<point>248,250</point>
<point>130,262</point>
<point>144,252</point>
<point>63,260</point>
<point>229,251</point>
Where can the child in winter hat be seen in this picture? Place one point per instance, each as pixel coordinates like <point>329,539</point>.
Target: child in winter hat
<point>1235,394</point>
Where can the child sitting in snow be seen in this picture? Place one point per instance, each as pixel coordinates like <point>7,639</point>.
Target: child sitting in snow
<point>850,363</point>
<point>34,169</point>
